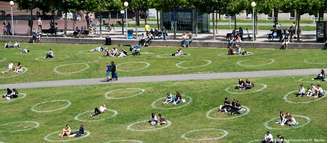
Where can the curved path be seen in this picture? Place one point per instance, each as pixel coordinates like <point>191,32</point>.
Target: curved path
<point>160,78</point>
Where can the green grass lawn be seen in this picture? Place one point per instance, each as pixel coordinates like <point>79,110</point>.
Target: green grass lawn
<point>206,95</point>
<point>75,59</point>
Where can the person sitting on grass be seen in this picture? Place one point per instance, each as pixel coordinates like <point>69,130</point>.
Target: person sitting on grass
<point>18,68</point>
<point>179,52</point>
<point>50,54</point>
<point>153,119</point>
<point>100,110</point>
<point>12,45</point>
<point>315,91</point>
<point>268,138</point>
<point>321,76</point>
<point>240,85</point>
<point>248,84</point>
<point>65,132</point>
<point>174,99</point>
<point>280,139</point>
<point>114,52</point>
<point>233,107</point>
<point>135,49</point>
<point>301,91</point>
<point>10,94</point>
<point>286,119</point>
<point>162,120</point>
<point>168,99</point>
<point>244,85</point>
<point>78,133</point>
<point>123,53</point>
<point>98,49</point>
<point>10,68</point>
<point>186,40</point>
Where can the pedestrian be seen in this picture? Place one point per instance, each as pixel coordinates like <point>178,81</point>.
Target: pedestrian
<point>113,70</point>
<point>39,24</point>
<point>8,27</point>
<point>4,28</point>
<point>108,71</point>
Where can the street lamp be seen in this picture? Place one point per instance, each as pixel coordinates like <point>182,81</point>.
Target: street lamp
<point>11,3</point>
<point>122,13</point>
<point>126,4</point>
<point>253,4</point>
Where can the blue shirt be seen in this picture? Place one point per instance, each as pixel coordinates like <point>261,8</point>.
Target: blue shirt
<point>108,68</point>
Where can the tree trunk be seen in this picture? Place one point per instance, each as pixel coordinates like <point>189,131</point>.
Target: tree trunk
<point>196,28</point>
<point>137,18</point>
<point>213,25</point>
<point>100,25</point>
<point>216,22</point>
<point>235,18</point>
<point>65,24</point>
<point>298,26</point>
<point>157,19</point>
<point>175,25</point>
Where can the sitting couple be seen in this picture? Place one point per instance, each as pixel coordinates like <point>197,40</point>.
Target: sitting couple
<point>233,107</point>
<point>10,94</point>
<point>98,49</point>
<point>186,40</point>
<point>99,110</point>
<point>268,138</point>
<point>135,49</point>
<point>12,45</point>
<point>115,53</point>
<point>321,76</point>
<point>174,99</point>
<point>67,132</point>
<point>157,120</point>
<point>313,90</point>
<point>178,53</point>
<point>244,85</point>
<point>18,68</point>
<point>286,119</point>
<point>237,51</point>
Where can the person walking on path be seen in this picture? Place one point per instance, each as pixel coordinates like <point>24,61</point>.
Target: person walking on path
<point>113,70</point>
<point>108,71</point>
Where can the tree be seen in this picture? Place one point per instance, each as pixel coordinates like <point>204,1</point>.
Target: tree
<point>141,6</point>
<point>234,7</point>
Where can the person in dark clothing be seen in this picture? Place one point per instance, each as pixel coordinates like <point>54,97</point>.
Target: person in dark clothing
<point>78,133</point>
<point>108,70</point>
<point>113,70</point>
<point>321,76</point>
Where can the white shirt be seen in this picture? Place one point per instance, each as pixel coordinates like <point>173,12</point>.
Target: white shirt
<point>102,109</point>
<point>10,66</point>
<point>39,22</point>
<point>51,53</point>
<point>302,90</point>
<point>268,137</point>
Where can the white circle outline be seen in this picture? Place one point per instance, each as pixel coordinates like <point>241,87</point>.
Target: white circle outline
<point>153,104</point>
<point>229,118</point>
<point>137,69</point>
<point>308,120</point>
<point>53,110</point>
<point>36,125</point>
<point>141,91</point>
<point>240,63</point>
<point>87,66</point>
<point>136,141</point>
<point>309,62</point>
<point>254,91</point>
<point>184,136</point>
<point>23,95</point>
<point>225,54</point>
<point>304,102</point>
<point>129,127</point>
<point>3,59</point>
<point>70,139</point>
<point>178,65</point>
<point>308,81</point>
<point>43,59</point>
<point>25,69</point>
<point>102,119</point>
<point>165,56</point>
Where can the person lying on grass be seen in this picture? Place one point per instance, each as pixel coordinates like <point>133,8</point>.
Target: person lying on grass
<point>268,138</point>
<point>12,45</point>
<point>78,133</point>
<point>315,91</point>
<point>321,76</point>
<point>286,119</point>
<point>122,53</point>
<point>157,120</point>
<point>66,131</point>
<point>174,99</point>
<point>244,85</point>
<point>24,50</point>
<point>280,139</point>
<point>10,94</point>
<point>50,54</point>
<point>233,107</point>
<point>100,110</point>
<point>178,53</point>
<point>98,49</point>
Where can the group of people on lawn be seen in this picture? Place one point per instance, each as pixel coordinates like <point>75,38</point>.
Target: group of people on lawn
<point>233,107</point>
<point>244,85</point>
<point>16,68</point>
<point>268,138</point>
<point>10,94</point>
<point>174,99</point>
<point>313,90</point>
<point>234,45</point>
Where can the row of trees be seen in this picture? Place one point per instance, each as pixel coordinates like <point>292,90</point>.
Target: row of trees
<point>140,7</point>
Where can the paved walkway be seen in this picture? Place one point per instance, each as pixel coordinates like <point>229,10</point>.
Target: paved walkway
<point>161,78</point>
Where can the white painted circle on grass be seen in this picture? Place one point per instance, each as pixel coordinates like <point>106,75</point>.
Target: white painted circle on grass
<point>107,94</point>
<point>129,141</point>
<point>136,69</point>
<point>130,127</point>
<point>179,64</point>
<point>68,103</point>
<point>316,63</point>
<point>51,59</point>
<point>20,96</point>
<point>264,86</point>
<point>153,105</point>
<point>170,55</point>
<point>310,81</point>
<point>241,63</point>
<point>77,117</point>
<point>46,138</point>
<point>25,69</point>
<point>266,124</point>
<point>208,114</point>
<point>185,135</point>
<point>35,125</point>
<point>303,102</point>
<point>86,66</point>
<point>225,54</point>
<point>147,53</point>
<point>3,59</point>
